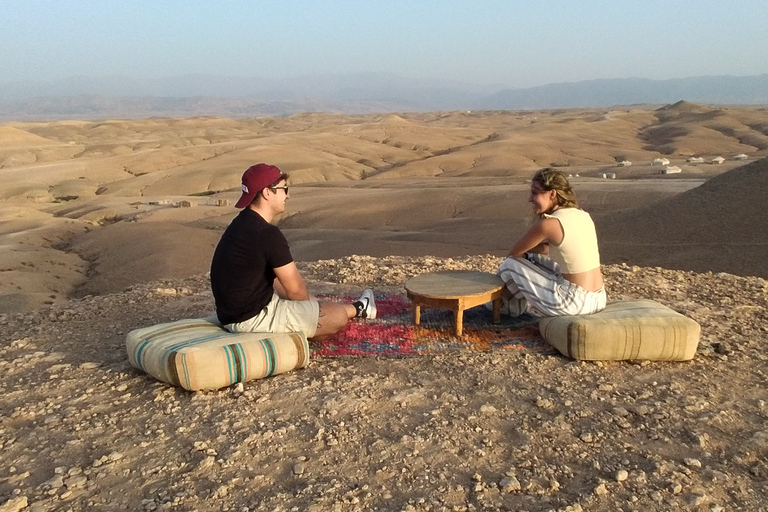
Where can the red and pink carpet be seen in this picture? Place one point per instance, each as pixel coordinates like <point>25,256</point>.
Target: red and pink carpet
<point>394,334</point>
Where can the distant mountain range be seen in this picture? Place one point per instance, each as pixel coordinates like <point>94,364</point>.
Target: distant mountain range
<point>198,95</point>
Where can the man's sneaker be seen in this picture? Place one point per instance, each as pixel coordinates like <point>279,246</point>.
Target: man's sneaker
<point>369,305</point>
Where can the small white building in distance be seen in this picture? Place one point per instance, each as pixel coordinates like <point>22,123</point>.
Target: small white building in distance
<point>740,156</point>
<point>660,161</point>
<point>671,169</point>
<point>695,160</point>
<point>717,160</point>
<point>608,175</point>
<point>624,163</point>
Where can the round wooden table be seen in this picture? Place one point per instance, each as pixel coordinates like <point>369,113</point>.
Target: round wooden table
<point>456,290</point>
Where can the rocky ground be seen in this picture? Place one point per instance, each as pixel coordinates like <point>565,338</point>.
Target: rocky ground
<point>82,430</point>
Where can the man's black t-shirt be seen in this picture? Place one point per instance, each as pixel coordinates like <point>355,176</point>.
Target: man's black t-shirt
<point>242,268</point>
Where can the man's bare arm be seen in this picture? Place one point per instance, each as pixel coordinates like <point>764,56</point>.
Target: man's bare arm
<point>289,284</point>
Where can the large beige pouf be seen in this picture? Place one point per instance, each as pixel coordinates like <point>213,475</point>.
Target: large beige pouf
<point>630,329</point>
<point>199,354</point>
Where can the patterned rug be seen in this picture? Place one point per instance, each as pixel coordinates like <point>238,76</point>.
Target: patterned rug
<point>393,333</point>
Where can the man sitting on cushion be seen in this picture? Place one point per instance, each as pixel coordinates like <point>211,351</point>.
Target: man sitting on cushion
<point>256,284</point>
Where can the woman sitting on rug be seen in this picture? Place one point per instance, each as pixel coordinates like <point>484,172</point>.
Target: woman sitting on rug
<point>554,268</point>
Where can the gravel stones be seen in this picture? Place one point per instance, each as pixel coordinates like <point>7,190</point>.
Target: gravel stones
<point>456,431</point>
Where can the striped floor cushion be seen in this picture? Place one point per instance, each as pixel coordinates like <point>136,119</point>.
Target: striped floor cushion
<point>630,329</point>
<point>199,354</point>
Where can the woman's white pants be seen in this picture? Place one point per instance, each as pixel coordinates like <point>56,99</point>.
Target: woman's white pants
<point>536,285</point>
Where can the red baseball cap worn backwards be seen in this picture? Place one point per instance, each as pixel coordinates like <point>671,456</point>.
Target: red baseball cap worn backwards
<point>255,179</point>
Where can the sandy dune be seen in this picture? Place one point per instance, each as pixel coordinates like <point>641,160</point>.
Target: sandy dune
<point>88,207</point>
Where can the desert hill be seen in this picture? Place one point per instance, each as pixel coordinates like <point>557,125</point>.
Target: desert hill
<point>93,207</point>
<point>691,129</point>
<point>720,225</point>
<point>15,137</point>
<point>406,145</point>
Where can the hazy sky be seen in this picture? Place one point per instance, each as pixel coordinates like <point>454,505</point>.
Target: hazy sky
<point>512,43</point>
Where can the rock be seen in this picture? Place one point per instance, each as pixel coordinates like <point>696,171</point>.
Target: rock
<point>509,484</point>
<point>642,410</point>
<point>75,482</point>
<point>692,463</point>
<point>675,488</point>
<point>14,504</point>
<point>620,411</point>
<point>759,440</point>
<point>206,463</point>
<point>701,440</point>
<point>544,403</point>
<point>54,482</point>
<point>697,500</point>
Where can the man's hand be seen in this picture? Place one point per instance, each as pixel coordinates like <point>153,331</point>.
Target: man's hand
<point>289,283</point>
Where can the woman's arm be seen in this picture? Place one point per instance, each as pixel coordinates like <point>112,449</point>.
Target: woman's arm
<point>537,238</point>
<point>542,248</point>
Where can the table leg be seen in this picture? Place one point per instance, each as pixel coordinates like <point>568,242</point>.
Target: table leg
<point>416,313</point>
<point>459,317</point>
<point>497,310</point>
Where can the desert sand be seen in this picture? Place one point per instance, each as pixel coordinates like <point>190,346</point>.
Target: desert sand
<point>96,240</point>
<point>90,207</point>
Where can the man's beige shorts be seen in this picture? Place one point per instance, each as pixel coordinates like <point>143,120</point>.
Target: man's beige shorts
<point>282,315</point>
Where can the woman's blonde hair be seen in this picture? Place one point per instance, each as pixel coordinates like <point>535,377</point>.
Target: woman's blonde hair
<point>551,179</point>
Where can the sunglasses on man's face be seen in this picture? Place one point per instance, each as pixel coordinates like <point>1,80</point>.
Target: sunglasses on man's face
<point>284,187</point>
